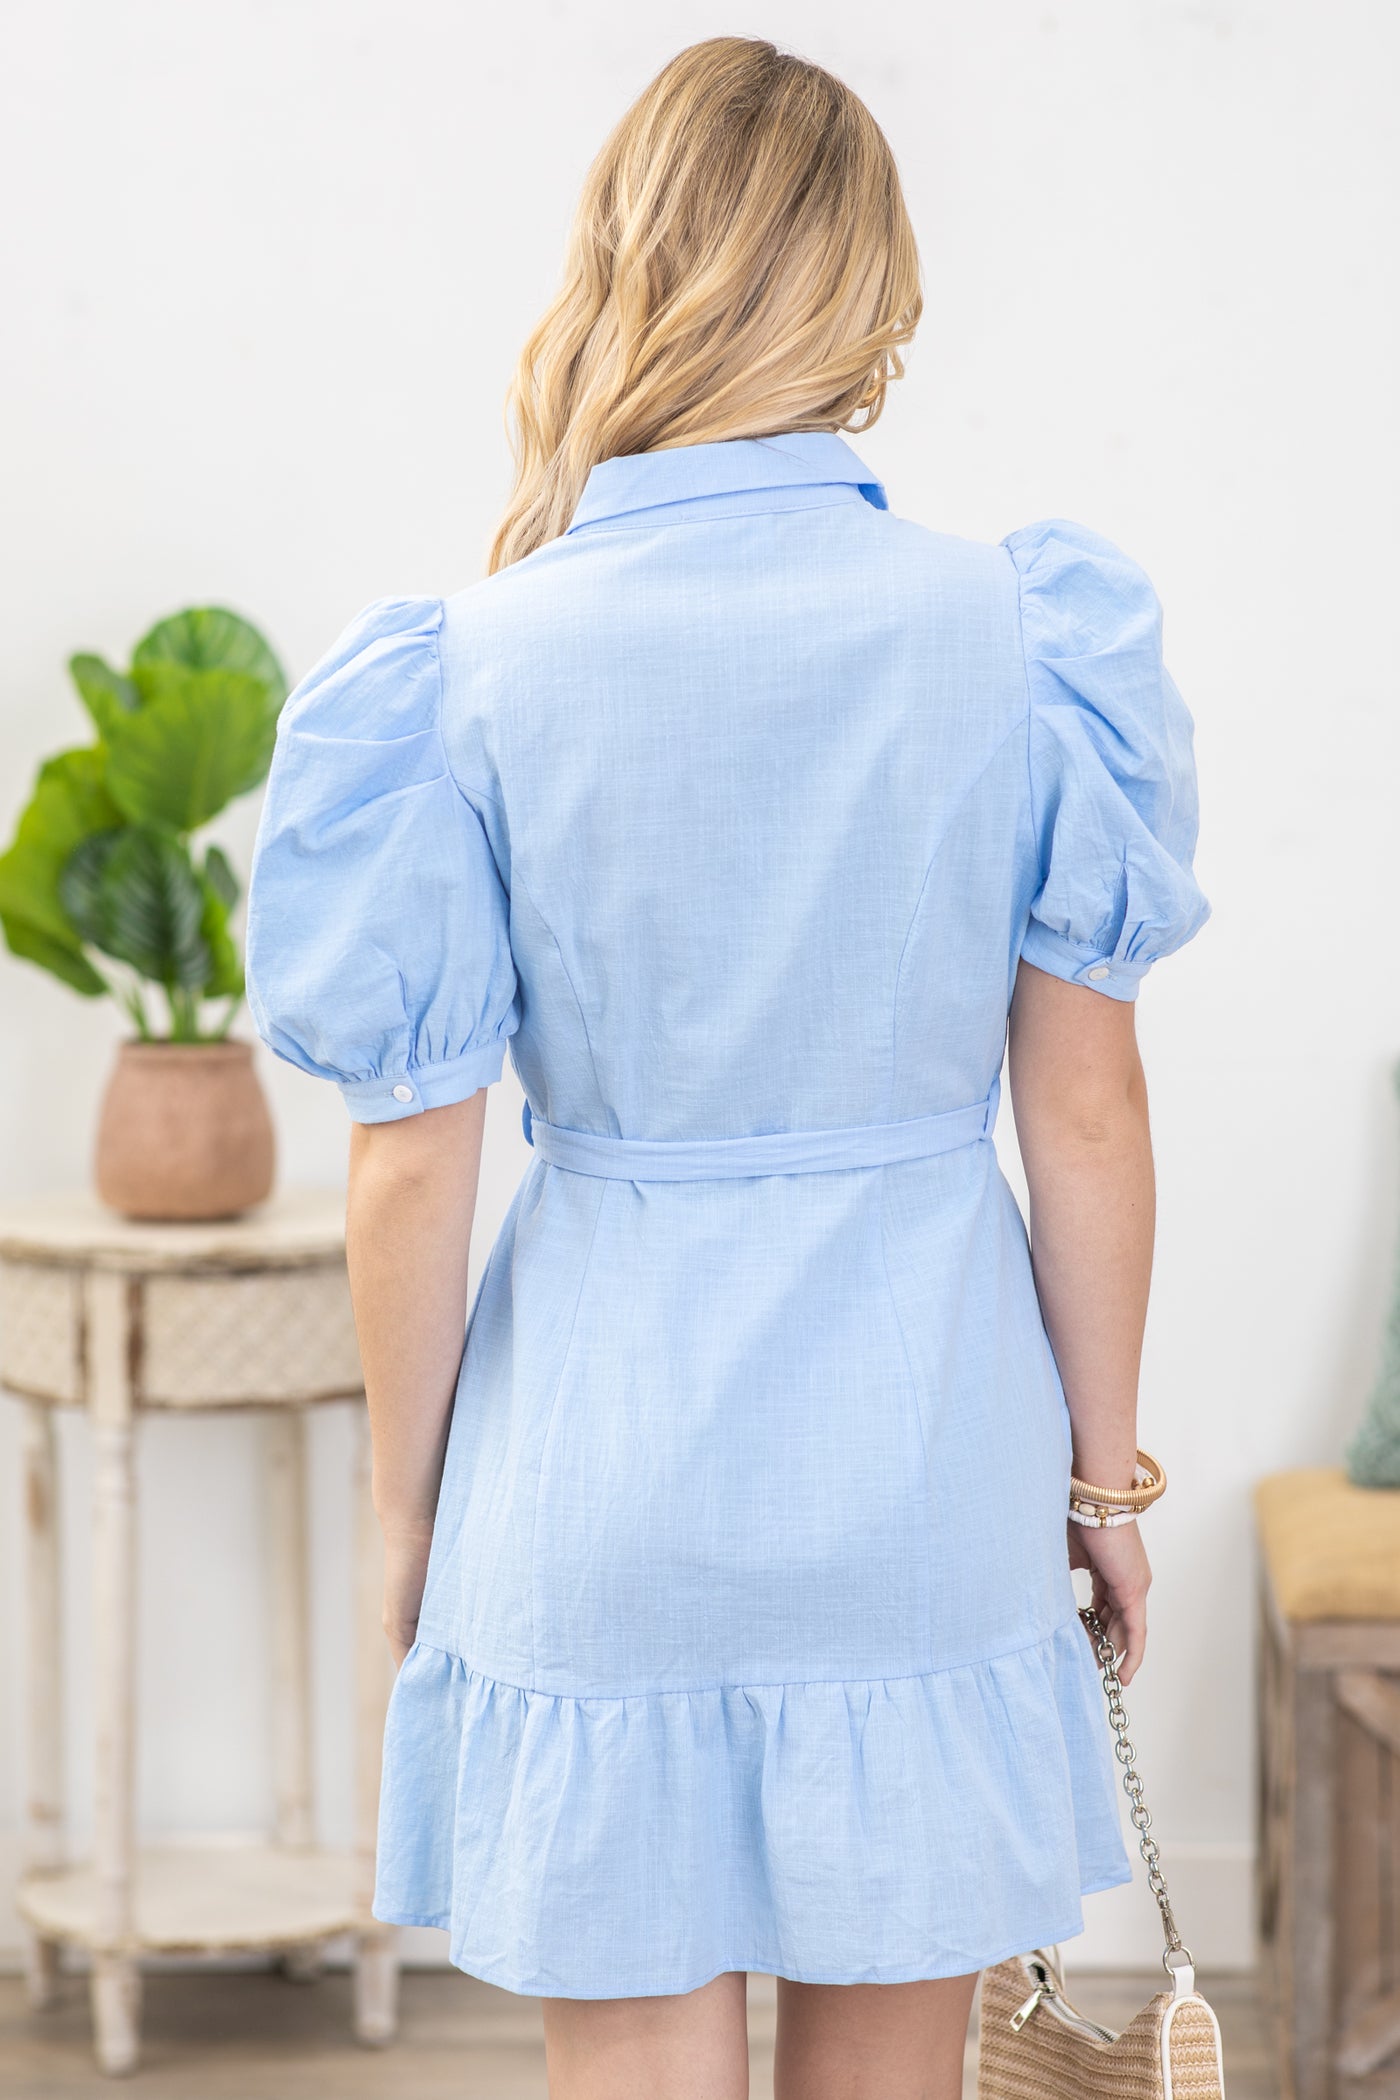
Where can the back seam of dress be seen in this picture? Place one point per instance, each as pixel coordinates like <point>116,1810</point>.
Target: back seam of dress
<point>915,1395</point>
<point>1026,683</point>
<point>1029,803</point>
<point>949,820</point>
<point>464,788</point>
<point>603,1103</point>
<point>603,1187</point>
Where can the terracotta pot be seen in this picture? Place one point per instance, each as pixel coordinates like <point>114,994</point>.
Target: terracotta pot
<point>184,1132</point>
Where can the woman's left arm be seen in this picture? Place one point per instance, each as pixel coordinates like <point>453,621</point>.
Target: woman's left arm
<point>412,1196</point>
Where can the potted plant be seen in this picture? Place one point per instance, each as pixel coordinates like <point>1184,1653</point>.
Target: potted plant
<point>104,886</point>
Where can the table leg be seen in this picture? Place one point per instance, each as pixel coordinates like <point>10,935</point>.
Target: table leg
<point>284,1451</point>
<point>289,1644</point>
<point>376,1947</point>
<point>1310,1912</point>
<point>113,1306</point>
<point>44,1820</point>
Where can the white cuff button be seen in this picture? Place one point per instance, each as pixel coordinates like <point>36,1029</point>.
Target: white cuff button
<point>403,1093</point>
<point>1099,970</point>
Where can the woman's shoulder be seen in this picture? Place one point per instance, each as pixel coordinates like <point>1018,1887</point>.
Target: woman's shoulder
<point>1091,632</point>
<point>1055,565</point>
<point>381,667</point>
<point>1080,592</point>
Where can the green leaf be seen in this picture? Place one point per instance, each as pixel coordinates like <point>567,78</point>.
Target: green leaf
<point>225,979</point>
<point>209,638</point>
<point>66,962</point>
<point>138,898</point>
<point>80,885</point>
<point>199,739</point>
<point>106,695</point>
<point>220,876</point>
<point>70,801</point>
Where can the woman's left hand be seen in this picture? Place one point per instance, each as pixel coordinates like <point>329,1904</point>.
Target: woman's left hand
<point>405,1570</point>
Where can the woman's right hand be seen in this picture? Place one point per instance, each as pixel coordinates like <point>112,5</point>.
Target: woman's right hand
<point>1117,1561</point>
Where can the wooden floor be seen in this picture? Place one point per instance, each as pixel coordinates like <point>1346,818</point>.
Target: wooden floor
<point>212,2035</point>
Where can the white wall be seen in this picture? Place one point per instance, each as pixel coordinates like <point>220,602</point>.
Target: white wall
<point>268,266</point>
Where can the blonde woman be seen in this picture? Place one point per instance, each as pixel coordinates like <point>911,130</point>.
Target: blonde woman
<point>727,1567</point>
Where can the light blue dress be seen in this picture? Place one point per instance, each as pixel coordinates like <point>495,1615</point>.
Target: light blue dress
<point>748,1639</point>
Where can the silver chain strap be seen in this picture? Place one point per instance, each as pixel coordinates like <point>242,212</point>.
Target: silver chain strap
<point>1132,1786</point>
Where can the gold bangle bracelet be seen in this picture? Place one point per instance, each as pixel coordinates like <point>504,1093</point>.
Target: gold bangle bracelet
<point>1151,1483</point>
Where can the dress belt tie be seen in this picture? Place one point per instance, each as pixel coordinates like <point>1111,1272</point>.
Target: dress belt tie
<point>771,1152</point>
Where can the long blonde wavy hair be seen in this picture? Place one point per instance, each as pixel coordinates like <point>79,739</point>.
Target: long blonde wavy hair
<point>741,263</point>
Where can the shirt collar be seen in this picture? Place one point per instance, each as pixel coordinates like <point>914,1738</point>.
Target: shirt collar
<point>642,480</point>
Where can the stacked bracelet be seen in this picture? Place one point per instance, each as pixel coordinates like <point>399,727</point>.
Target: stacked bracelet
<point>1102,1508</point>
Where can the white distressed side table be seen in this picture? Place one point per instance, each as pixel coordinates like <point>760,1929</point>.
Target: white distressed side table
<point>127,1319</point>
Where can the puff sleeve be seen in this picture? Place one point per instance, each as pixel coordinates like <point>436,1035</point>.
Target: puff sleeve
<point>378,923</point>
<point>1112,771</point>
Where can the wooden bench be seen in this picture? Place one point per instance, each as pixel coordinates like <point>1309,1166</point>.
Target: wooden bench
<point>1329,1782</point>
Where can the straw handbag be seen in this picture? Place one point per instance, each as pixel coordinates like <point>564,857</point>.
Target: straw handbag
<point>1036,2045</point>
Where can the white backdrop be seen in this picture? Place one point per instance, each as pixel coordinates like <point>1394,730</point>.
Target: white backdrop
<point>267,267</point>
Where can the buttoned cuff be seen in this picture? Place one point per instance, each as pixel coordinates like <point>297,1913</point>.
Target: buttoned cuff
<point>396,1095</point>
<point>1077,963</point>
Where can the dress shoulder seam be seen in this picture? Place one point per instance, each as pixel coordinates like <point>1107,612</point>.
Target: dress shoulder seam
<point>970,789</point>
<point>1025,681</point>
<point>467,790</point>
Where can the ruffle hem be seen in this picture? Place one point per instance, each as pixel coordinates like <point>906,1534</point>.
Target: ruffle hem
<point>874,1831</point>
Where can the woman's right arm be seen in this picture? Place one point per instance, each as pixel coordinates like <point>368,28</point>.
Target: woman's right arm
<point>1080,1101</point>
